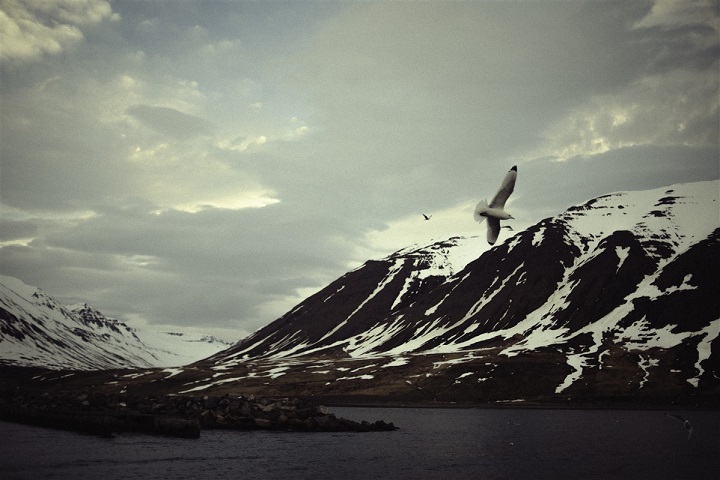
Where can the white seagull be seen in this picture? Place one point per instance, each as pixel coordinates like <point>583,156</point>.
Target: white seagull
<point>684,421</point>
<point>495,211</point>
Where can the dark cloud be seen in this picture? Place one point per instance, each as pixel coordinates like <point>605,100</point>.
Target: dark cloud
<point>17,229</point>
<point>173,123</point>
<point>56,156</point>
<point>162,264</point>
<point>557,185</point>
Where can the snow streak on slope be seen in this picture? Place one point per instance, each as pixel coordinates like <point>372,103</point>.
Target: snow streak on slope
<point>396,282</point>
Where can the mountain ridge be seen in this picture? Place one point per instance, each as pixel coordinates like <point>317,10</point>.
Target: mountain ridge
<point>38,331</point>
<point>635,253</point>
<point>629,275</point>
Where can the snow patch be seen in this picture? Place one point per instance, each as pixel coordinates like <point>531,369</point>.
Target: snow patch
<point>644,364</point>
<point>538,237</point>
<point>711,332</point>
<point>397,362</point>
<point>388,278</point>
<point>359,377</point>
<point>622,253</point>
<point>577,362</point>
<point>172,371</point>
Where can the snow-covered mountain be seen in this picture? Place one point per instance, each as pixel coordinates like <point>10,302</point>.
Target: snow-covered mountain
<point>35,330</point>
<point>615,297</point>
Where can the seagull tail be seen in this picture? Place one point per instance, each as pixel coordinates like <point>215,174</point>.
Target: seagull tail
<point>480,209</point>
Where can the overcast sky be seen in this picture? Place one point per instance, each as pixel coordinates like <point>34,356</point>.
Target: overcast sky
<point>207,165</point>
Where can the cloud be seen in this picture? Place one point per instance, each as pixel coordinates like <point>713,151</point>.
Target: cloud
<point>547,187</point>
<point>498,78</point>
<point>171,122</point>
<point>107,145</point>
<point>141,263</point>
<point>241,144</point>
<point>56,157</point>
<point>670,13</point>
<point>678,108</point>
<point>14,230</point>
<point>30,29</point>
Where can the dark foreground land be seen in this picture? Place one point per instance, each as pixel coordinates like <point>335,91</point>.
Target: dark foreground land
<point>107,402</point>
<point>180,416</point>
<point>82,401</point>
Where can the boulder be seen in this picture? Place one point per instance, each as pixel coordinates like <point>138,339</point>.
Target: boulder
<point>263,423</point>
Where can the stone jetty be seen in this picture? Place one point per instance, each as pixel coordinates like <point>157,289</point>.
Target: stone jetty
<point>174,415</point>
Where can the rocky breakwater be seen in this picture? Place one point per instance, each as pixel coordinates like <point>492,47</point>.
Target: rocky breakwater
<point>278,414</point>
<point>182,416</point>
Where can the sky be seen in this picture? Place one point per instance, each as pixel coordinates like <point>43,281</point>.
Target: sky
<point>207,165</point>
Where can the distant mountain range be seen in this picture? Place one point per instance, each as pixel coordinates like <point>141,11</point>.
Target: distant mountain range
<point>37,331</point>
<point>613,300</point>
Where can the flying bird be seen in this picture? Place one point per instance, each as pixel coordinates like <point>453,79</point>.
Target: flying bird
<point>685,422</point>
<point>495,211</point>
<point>427,217</point>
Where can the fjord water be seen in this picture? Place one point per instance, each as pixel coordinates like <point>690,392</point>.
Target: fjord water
<point>430,444</point>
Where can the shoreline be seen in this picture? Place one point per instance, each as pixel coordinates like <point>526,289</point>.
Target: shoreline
<point>624,403</point>
<point>176,416</point>
<point>527,406</point>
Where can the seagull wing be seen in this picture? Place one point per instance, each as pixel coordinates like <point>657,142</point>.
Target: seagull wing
<point>507,187</point>
<point>493,230</point>
<point>685,422</point>
<point>676,417</point>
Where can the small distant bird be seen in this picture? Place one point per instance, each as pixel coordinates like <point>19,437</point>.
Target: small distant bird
<point>495,211</point>
<point>685,422</point>
<point>427,217</point>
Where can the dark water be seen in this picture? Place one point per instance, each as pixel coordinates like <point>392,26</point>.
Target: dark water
<point>431,444</point>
